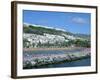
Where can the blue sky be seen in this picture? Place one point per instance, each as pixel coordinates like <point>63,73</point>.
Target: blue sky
<point>69,21</point>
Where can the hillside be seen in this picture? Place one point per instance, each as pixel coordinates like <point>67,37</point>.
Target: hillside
<point>41,30</point>
<point>40,36</point>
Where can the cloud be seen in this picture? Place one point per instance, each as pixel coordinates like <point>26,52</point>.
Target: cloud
<point>78,20</point>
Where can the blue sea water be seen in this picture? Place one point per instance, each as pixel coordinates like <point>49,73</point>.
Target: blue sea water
<point>78,63</point>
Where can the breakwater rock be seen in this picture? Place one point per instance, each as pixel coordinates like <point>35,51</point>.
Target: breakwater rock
<point>46,59</point>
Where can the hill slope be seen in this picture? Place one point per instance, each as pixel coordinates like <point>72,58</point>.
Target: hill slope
<point>40,36</point>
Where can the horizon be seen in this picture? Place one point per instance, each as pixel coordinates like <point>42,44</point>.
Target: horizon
<point>80,22</point>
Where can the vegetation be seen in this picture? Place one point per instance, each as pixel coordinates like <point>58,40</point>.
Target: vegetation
<point>40,30</point>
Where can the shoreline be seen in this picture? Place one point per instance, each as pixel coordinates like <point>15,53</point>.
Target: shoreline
<point>65,48</point>
<point>53,63</point>
<point>46,59</point>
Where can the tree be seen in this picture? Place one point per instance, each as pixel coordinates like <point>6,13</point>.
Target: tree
<point>82,43</point>
<point>25,43</point>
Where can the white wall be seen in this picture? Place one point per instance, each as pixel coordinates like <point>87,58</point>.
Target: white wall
<point>5,41</point>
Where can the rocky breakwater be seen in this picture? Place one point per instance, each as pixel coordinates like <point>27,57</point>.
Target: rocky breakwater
<point>47,59</point>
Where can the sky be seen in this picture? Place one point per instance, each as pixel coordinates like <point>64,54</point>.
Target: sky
<point>74,22</point>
